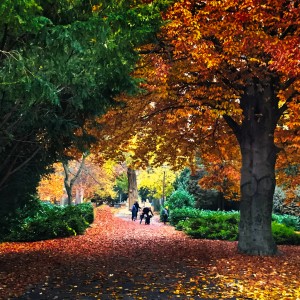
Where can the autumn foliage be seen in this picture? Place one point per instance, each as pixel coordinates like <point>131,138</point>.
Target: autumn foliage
<point>221,83</point>
<point>120,258</point>
<point>196,73</point>
<point>96,178</point>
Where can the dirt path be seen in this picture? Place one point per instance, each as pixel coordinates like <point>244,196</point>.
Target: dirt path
<point>121,259</point>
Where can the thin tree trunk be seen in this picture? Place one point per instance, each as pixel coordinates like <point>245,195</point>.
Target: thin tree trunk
<point>132,187</point>
<point>69,182</point>
<point>79,195</point>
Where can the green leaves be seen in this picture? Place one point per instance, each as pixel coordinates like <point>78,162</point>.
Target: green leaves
<point>42,221</point>
<point>206,224</point>
<point>21,17</point>
<point>61,65</point>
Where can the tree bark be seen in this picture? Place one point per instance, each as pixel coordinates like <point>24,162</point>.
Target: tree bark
<point>132,187</point>
<point>256,139</point>
<point>69,182</point>
<point>79,195</point>
<point>257,190</point>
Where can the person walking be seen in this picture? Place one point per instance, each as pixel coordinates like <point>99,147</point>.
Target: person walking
<point>165,214</point>
<point>134,210</point>
<point>133,213</point>
<point>147,214</point>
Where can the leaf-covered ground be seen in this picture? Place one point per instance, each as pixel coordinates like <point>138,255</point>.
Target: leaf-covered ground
<point>121,259</point>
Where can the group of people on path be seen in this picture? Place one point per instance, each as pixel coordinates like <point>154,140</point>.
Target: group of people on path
<point>146,213</point>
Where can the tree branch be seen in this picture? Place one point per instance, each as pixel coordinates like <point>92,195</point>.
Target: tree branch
<point>288,83</point>
<point>11,171</point>
<point>234,126</point>
<point>284,107</point>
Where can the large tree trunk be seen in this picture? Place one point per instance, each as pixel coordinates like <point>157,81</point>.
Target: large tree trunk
<point>256,138</point>
<point>257,189</point>
<point>132,187</point>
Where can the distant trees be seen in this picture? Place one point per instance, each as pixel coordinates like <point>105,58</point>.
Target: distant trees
<point>157,181</point>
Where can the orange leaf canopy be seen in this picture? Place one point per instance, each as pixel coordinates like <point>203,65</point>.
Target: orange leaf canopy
<point>195,75</point>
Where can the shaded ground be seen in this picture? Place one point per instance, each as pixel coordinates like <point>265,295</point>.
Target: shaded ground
<point>121,259</point>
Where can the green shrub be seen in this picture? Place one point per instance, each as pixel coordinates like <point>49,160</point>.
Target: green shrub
<point>40,221</point>
<point>224,226</point>
<point>179,199</point>
<point>78,225</point>
<point>288,220</point>
<point>200,233</point>
<point>212,227</point>
<point>180,225</point>
<point>87,212</point>
<point>285,235</point>
<point>179,214</point>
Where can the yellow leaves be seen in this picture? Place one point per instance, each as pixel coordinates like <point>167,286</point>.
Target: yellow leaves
<point>51,187</point>
<point>211,64</point>
<point>152,179</point>
<point>96,8</point>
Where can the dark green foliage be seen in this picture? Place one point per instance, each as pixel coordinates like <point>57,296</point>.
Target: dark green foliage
<point>40,221</point>
<point>84,211</point>
<point>288,220</point>
<point>204,199</point>
<point>145,193</point>
<point>206,224</point>
<point>61,65</point>
<point>22,186</point>
<point>182,180</point>
<point>179,214</point>
<point>212,225</point>
<point>208,199</point>
<point>285,235</point>
<point>179,199</point>
<point>208,229</point>
<point>190,213</point>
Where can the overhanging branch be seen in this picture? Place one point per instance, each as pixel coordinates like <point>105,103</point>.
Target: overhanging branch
<point>234,126</point>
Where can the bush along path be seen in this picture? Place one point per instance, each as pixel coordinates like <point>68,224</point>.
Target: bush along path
<point>121,259</point>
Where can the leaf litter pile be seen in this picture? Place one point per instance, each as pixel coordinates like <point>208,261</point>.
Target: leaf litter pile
<point>121,259</point>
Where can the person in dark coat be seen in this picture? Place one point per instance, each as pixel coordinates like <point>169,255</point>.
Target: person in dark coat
<point>165,215</point>
<point>147,214</point>
<point>134,210</point>
<point>136,204</point>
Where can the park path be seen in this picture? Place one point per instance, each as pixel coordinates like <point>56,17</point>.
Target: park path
<point>121,259</point>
